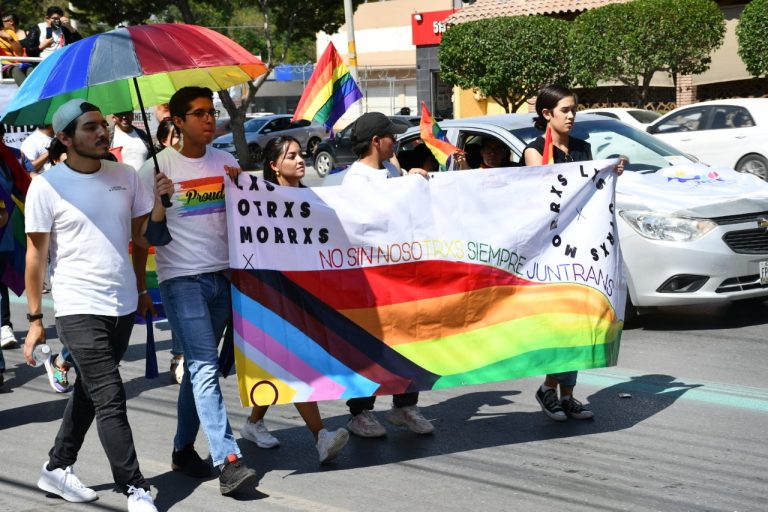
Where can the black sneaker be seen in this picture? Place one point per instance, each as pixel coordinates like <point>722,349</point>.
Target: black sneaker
<point>550,404</point>
<point>235,475</point>
<point>576,410</point>
<point>189,462</point>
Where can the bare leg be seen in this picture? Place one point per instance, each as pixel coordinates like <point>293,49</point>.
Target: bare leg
<point>566,391</point>
<point>550,382</point>
<point>310,413</point>
<point>258,413</point>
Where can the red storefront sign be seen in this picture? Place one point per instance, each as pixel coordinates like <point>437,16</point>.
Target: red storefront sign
<point>428,27</point>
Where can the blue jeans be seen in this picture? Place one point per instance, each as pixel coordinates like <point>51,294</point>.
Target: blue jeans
<point>567,379</point>
<point>198,308</point>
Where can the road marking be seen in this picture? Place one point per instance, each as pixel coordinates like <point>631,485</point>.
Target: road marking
<point>730,395</point>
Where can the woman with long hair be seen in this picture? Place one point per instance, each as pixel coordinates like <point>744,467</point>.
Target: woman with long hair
<point>284,166</point>
<point>556,113</point>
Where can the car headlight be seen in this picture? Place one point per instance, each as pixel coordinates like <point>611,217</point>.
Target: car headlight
<point>658,226</point>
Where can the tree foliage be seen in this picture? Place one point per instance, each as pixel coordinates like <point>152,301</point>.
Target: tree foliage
<point>752,33</point>
<point>508,59</point>
<point>630,42</point>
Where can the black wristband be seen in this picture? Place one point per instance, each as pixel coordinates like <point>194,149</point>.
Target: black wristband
<point>32,318</point>
<point>157,233</point>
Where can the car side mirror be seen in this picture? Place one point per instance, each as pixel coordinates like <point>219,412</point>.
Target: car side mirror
<point>266,130</point>
<point>650,129</point>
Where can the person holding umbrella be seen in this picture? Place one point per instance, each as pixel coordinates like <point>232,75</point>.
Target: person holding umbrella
<point>82,209</point>
<point>190,239</point>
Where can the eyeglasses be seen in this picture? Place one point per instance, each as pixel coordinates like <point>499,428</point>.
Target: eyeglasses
<point>204,114</point>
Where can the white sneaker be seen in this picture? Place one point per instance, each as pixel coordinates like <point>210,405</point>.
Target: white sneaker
<point>7,338</point>
<point>177,368</point>
<point>64,483</point>
<point>329,444</point>
<point>410,416</point>
<point>140,500</point>
<point>259,434</point>
<point>365,424</point>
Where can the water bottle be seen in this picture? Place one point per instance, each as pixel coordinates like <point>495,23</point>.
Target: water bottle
<point>40,354</point>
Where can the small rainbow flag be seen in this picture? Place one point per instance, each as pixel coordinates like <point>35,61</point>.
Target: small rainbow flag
<point>330,92</point>
<point>434,137</point>
<point>547,156</point>
<point>13,274</point>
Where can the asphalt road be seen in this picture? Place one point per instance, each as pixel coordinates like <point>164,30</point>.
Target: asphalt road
<point>690,437</point>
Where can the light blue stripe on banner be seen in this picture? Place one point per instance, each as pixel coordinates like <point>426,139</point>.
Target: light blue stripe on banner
<point>731,395</point>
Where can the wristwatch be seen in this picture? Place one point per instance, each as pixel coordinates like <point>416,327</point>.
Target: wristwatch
<point>32,318</point>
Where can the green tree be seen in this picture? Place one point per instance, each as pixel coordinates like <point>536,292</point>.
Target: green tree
<point>508,59</point>
<point>752,33</point>
<point>631,42</point>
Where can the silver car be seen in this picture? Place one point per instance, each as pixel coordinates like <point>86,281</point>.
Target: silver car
<point>260,130</point>
<point>681,244</point>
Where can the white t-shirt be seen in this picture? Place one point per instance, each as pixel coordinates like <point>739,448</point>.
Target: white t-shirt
<point>134,150</point>
<point>89,219</point>
<point>35,145</point>
<point>359,172</point>
<point>58,40</point>
<point>197,220</point>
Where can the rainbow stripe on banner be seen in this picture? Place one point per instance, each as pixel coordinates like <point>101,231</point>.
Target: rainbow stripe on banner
<point>409,285</point>
<point>434,137</point>
<point>331,90</point>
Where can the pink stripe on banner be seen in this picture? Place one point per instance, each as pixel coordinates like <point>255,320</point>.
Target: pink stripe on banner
<point>322,386</point>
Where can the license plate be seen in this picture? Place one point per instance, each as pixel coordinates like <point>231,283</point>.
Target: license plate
<point>764,273</point>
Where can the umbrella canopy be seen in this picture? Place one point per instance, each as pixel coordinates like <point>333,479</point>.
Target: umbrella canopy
<point>101,69</point>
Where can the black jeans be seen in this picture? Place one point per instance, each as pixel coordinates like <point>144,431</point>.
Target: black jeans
<point>358,405</point>
<point>5,300</point>
<point>97,344</point>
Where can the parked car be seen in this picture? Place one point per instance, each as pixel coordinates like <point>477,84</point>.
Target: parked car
<point>637,117</point>
<point>680,246</point>
<point>334,152</point>
<point>728,133</point>
<point>260,130</point>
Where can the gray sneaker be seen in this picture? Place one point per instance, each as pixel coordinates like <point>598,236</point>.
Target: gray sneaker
<point>64,483</point>
<point>410,416</point>
<point>365,424</point>
<point>329,444</point>
<point>259,434</point>
<point>550,404</point>
<point>576,410</point>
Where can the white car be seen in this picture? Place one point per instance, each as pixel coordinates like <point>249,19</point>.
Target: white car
<point>690,234</point>
<point>637,117</point>
<point>725,133</point>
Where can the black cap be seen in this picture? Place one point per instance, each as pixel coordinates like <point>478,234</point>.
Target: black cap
<point>371,124</point>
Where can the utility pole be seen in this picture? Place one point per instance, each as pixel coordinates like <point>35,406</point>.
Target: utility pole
<point>349,14</point>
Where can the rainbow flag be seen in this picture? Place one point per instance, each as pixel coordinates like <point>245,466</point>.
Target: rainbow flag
<point>13,274</point>
<point>434,137</point>
<point>547,154</point>
<point>397,286</point>
<point>331,90</point>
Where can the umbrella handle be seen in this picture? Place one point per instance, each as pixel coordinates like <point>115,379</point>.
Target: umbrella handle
<point>166,200</point>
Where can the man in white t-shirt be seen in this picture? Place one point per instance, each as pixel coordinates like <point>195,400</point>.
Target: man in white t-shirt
<point>373,138</point>
<point>35,147</point>
<point>191,253</point>
<point>84,210</point>
<point>133,141</point>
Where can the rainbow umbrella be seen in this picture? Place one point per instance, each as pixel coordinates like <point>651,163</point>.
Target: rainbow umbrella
<point>130,67</point>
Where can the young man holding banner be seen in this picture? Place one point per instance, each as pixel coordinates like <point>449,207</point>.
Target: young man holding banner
<point>192,264</point>
<point>373,137</point>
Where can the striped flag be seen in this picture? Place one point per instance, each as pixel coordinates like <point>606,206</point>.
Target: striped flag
<point>547,156</point>
<point>330,92</point>
<point>434,137</point>
<point>13,274</point>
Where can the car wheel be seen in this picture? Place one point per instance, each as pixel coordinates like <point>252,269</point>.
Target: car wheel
<point>312,145</point>
<point>631,313</point>
<point>754,164</point>
<point>255,151</point>
<point>323,163</point>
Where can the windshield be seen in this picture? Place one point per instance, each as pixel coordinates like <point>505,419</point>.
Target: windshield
<point>254,124</point>
<point>609,139</point>
<point>644,116</point>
